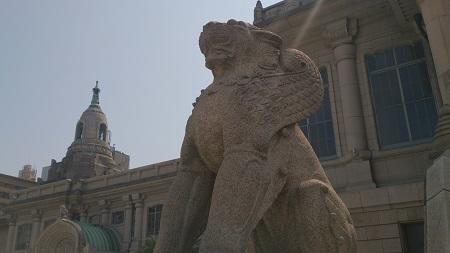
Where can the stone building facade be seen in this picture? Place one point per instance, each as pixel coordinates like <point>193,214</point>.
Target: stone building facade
<point>383,126</point>
<point>386,67</point>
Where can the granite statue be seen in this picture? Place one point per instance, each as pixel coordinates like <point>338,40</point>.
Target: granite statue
<point>249,180</point>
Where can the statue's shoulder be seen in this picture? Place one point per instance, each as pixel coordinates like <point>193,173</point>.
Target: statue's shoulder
<point>275,100</point>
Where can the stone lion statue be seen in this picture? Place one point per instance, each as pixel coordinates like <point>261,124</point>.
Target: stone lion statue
<point>249,180</point>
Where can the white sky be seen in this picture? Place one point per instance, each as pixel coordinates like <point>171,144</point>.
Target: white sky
<point>144,54</point>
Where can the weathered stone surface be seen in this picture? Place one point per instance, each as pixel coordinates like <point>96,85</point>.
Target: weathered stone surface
<point>438,205</point>
<point>248,175</point>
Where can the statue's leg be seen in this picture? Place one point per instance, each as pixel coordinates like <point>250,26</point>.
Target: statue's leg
<point>307,218</point>
<point>197,210</point>
<point>185,212</point>
<point>237,204</point>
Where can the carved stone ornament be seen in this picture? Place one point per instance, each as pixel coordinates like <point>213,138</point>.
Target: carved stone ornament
<point>341,31</point>
<point>63,212</point>
<point>249,180</point>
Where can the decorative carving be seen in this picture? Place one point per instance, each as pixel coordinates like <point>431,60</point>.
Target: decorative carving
<point>12,218</point>
<point>248,174</point>
<point>63,212</point>
<point>258,12</point>
<point>61,236</point>
<point>341,31</point>
<point>36,214</point>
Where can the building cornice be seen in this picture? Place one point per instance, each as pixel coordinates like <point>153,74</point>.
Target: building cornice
<point>341,31</point>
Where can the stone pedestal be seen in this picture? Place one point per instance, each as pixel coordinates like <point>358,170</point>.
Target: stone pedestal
<point>438,205</point>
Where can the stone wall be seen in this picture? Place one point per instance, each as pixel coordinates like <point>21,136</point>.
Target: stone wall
<point>383,188</point>
<point>3,237</point>
<point>95,199</point>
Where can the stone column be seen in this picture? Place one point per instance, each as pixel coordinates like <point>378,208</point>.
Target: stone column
<point>84,215</point>
<point>138,217</point>
<point>105,211</point>
<point>127,224</point>
<point>436,16</point>
<point>340,34</point>
<point>105,216</point>
<point>36,216</point>
<point>11,233</point>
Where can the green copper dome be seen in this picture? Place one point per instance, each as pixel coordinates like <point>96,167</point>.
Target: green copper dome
<point>99,237</point>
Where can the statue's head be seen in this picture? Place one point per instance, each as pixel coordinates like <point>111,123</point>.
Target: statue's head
<point>236,45</point>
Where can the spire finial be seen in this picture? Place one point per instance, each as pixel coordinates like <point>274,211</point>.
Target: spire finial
<point>258,12</point>
<point>95,96</point>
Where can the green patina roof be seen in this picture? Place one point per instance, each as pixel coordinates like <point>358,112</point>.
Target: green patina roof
<point>101,238</point>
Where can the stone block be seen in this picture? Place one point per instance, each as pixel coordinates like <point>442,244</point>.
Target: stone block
<point>404,193</point>
<point>351,199</point>
<point>392,245</point>
<point>383,232</point>
<point>375,246</point>
<point>375,197</point>
<point>388,216</point>
<point>358,175</point>
<point>438,176</point>
<point>361,234</point>
<point>366,219</point>
<point>438,205</point>
<point>438,223</point>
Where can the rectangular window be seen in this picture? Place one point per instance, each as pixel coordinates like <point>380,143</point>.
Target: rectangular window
<point>4,195</point>
<point>23,236</point>
<point>117,217</point>
<point>402,97</point>
<point>153,220</point>
<point>413,237</point>
<point>319,127</point>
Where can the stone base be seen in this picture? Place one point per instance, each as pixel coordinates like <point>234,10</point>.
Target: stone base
<point>438,205</point>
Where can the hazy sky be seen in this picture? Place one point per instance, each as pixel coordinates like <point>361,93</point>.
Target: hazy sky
<point>144,54</point>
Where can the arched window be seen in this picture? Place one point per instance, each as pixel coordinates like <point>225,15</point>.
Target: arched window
<point>79,131</point>
<point>102,132</point>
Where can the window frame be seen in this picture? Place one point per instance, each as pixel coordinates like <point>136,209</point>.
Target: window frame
<point>117,212</point>
<point>333,119</point>
<point>396,67</point>
<point>149,233</point>
<point>16,239</point>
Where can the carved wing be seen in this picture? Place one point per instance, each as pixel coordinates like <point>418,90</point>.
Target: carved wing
<point>278,100</point>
